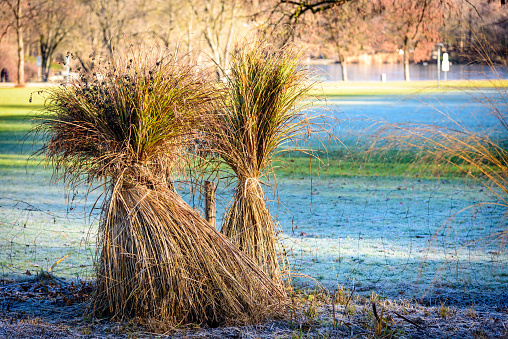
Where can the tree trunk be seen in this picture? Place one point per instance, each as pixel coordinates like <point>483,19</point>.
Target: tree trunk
<point>406,62</point>
<point>21,49</point>
<point>343,64</point>
<point>44,61</point>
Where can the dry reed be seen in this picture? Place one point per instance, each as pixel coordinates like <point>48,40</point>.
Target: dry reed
<point>481,155</point>
<point>261,112</point>
<point>129,126</point>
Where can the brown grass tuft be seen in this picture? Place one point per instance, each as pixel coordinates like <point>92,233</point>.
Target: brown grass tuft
<point>264,92</point>
<point>128,127</point>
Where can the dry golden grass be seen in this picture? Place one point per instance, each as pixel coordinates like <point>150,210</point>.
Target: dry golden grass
<point>482,156</point>
<point>260,112</point>
<point>160,260</point>
<point>126,129</point>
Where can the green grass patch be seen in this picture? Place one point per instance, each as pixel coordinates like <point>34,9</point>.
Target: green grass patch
<point>16,113</point>
<point>335,89</point>
<point>15,126</point>
<point>12,99</point>
<point>331,167</point>
<point>16,110</point>
<point>9,161</point>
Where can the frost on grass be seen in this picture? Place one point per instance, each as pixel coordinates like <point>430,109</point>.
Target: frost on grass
<point>38,227</point>
<point>370,232</point>
<point>394,236</point>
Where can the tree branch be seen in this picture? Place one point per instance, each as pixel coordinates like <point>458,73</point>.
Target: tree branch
<point>303,6</point>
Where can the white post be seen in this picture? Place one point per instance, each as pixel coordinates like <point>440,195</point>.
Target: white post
<point>39,69</point>
<point>445,66</point>
<point>67,62</point>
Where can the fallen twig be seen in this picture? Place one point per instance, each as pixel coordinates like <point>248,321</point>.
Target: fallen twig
<point>410,321</point>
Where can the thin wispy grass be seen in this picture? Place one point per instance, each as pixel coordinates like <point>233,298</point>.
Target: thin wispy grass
<point>265,89</point>
<point>482,156</point>
<point>128,128</point>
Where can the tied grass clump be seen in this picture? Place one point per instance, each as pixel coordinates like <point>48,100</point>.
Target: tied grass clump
<point>130,126</point>
<point>261,112</point>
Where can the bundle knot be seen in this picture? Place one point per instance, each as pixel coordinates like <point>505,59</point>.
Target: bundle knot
<point>254,183</point>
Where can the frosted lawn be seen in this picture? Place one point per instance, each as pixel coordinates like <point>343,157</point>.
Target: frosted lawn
<point>393,235</point>
<point>396,236</point>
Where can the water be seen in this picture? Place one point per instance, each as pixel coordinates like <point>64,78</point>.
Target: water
<point>395,72</point>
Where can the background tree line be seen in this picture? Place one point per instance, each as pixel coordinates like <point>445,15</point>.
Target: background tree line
<point>344,30</point>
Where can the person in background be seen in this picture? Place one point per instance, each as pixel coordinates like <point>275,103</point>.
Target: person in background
<point>4,75</point>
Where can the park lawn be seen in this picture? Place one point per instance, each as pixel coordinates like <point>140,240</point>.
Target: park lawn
<point>36,226</point>
<point>339,89</point>
<point>16,101</point>
<point>352,221</point>
<point>9,161</point>
<point>19,106</point>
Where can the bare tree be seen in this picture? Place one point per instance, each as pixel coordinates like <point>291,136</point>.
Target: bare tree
<point>296,8</point>
<point>412,25</point>
<point>216,19</point>
<point>16,13</point>
<point>110,20</point>
<point>106,27</point>
<point>344,30</point>
<point>488,23</point>
<point>173,23</point>
<point>164,23</point>
<point>115,20</point>
<point>4,21</point>
<point>53,21</point>
<point>293,9</point>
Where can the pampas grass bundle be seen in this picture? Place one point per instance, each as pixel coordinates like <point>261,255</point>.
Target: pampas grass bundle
<point>129,125</point>
<point>261,112</point>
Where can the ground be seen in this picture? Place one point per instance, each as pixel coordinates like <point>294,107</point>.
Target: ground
<point>47,307</point>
